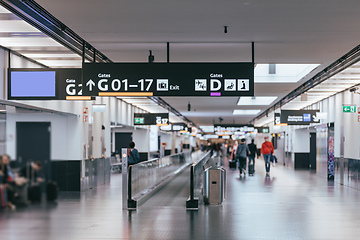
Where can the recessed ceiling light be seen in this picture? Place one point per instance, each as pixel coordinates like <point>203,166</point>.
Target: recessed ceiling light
<point>256,100</point>
<point>246,112</point>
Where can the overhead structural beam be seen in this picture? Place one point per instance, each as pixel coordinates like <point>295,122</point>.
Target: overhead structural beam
<point>38,17</point>
<point>334,68</point>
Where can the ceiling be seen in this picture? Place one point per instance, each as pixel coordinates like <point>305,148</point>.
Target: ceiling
<point>284,31</point>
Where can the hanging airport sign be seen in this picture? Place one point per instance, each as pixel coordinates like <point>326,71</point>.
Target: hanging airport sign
<point>277,119</point>
<point>175,127</point>
<point>262,129</point>
<point>159,119</point>
<point>299,117</point>
<point>349,109</point>
<point>45,84</point>
<point>168,79</point>
<point>229,129</point>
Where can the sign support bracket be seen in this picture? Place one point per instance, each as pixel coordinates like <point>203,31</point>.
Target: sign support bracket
<point>167,52</point>
<point>252,53</point>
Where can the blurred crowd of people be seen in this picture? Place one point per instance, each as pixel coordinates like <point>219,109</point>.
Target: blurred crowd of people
<point>14,183</point>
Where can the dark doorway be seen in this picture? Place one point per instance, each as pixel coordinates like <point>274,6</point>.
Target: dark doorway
<point>33,144</point>
<point>122,140</point>
<point>312,155</point>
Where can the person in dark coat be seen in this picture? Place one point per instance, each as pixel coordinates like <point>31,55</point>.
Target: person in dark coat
<point>253,152</point>
<point>134,156</point>
<point>31,172</point>
<point>7,179</point>
<point>241,153</point>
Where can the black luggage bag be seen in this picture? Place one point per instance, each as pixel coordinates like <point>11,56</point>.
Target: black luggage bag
<point>251,169</point>
<point>51,191</point>
<point>34,193</point>
<point>232,164</point>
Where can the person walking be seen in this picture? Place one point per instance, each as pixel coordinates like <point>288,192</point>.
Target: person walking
<point>241,153</point>
<point>252,149</point>
<point>233,152</point>
<point>267,149</point>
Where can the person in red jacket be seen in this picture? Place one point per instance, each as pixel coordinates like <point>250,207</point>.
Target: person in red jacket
<point>267,149</point>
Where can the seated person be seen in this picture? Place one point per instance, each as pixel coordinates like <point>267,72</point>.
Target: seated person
<point>31,172</point>
<point>7,178</point>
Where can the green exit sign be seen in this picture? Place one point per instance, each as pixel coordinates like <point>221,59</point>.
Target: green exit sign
<point>349,109</point>
<point>139,120</point>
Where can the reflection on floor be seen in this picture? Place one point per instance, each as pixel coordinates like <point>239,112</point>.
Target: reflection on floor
<point>288,205</point>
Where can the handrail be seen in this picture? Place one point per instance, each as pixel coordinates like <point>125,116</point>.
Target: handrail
<point>143,177</point>
<point>192,202</point>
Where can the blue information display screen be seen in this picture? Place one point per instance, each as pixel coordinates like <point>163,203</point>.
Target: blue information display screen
<point>32,84</point>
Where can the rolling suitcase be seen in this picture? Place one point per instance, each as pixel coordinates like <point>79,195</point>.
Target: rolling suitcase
<point>3,197</point>
<point>34,193</point>
<point>34,190</point>
<point>251,169</point>
<point>51,191</point>
<point>232,164</point>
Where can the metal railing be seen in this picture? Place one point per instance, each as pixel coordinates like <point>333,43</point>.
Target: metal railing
<point>144,176</point>
<point>196,181</point>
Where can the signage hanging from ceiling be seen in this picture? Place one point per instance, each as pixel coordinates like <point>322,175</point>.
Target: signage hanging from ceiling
<point>349,109</point>
<point>159,119</point>
<point>45,84</point>
<point>299,117</point>
<point>175,127</point>
<point>168,79</point>
<point>277,119</point>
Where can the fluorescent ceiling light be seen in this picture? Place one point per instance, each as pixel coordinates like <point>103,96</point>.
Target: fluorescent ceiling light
<point>256,100</point>
<point>61,63</point>
<point>16,26</point>
<point>245,112</point>
<point>50,55</point>
<point>28,42</point>
<point>284,73</point>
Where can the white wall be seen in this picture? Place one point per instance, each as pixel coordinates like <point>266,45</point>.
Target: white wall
<point>301,141</point>
<point>140,137</point>
<point>166,137</point>
<point>66,134</point>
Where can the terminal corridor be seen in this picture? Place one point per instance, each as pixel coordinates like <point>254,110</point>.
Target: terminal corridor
<point>288,205</point>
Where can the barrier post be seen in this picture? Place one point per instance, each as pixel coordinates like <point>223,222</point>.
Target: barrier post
<point>124,162</point>
<point>192,203</point>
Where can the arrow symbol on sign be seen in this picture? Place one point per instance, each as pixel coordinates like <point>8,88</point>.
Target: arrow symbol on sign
<point>315,118</point>
<point>90,83</point>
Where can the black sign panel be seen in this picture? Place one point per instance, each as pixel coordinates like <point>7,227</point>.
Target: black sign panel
<point>151,119</point>
<point>277,119</point>
<point>69,82</point>
<point>175,127</point>
<point>263,129</point>
<point>44,83</point>
<point>232,128</point>
<point>168,79</point>
<point>299,117</point>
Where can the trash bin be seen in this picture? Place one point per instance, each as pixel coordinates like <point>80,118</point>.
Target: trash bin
<point>214,186</point>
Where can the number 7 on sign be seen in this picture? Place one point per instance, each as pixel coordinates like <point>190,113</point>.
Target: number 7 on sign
<point>149,81</point>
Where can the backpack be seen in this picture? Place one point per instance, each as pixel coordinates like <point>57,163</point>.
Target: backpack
<point>131,159</point>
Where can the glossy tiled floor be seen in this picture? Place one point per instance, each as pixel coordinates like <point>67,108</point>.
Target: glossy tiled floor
<point>289,205</point>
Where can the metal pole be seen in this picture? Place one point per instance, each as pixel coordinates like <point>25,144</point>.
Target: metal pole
<point>168,51</point>
<point>252,52</point>
<point>192,182</point>
<point>83,52</point>
<point>124,170</point>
